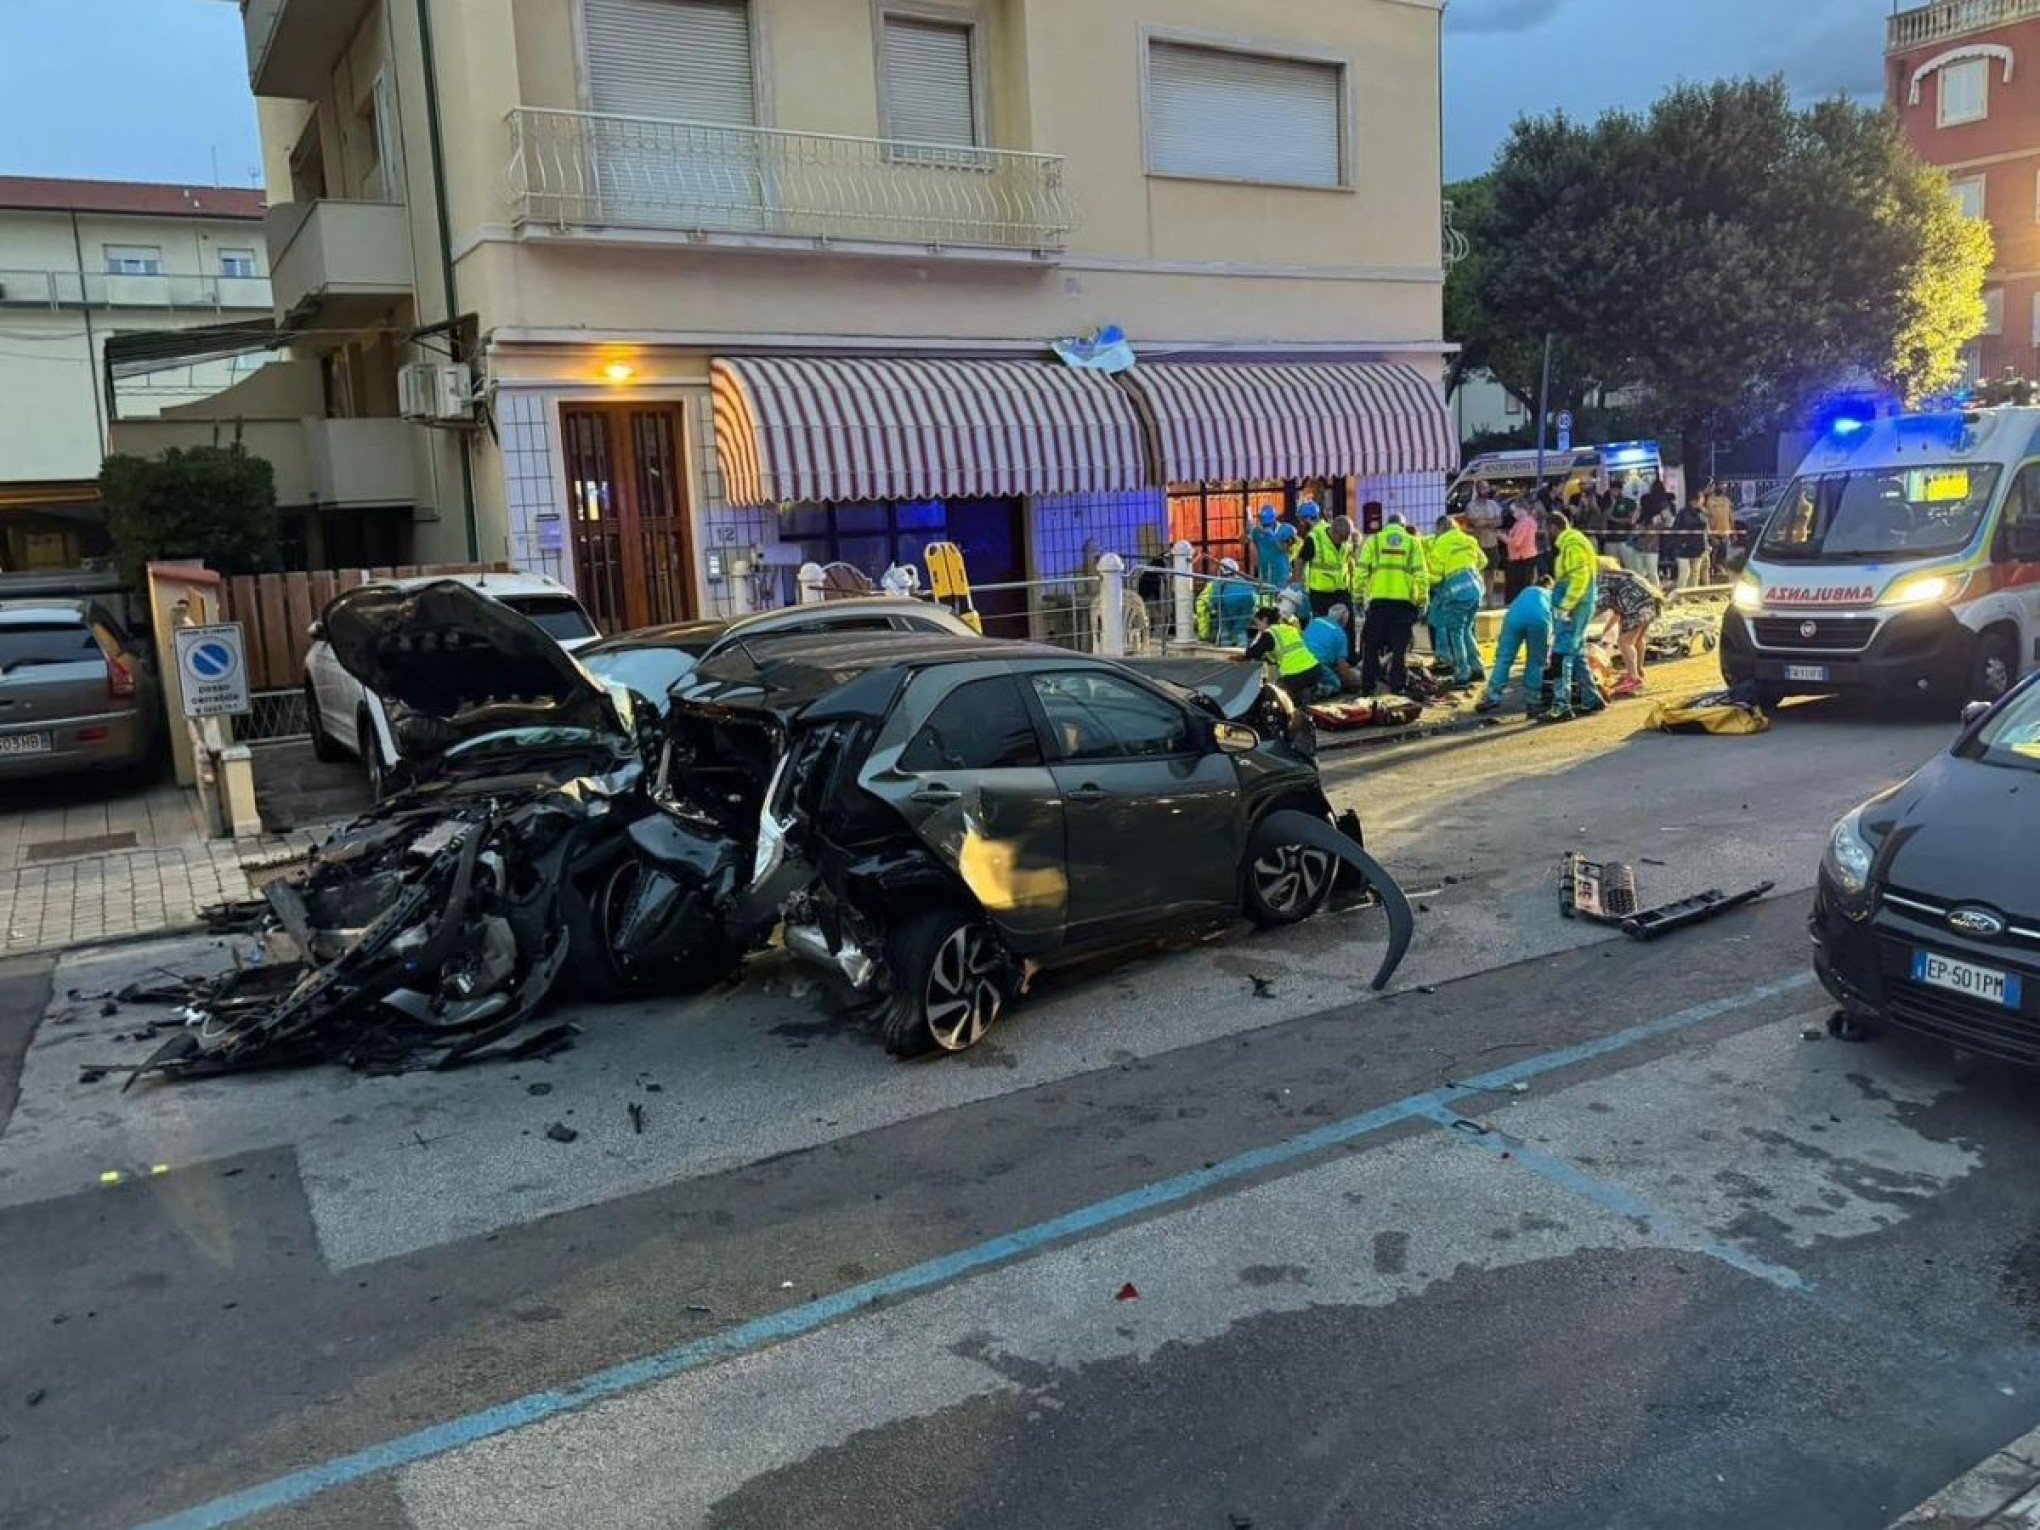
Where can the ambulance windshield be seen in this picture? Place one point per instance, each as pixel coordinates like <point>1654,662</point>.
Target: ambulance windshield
<point>1880,514</point>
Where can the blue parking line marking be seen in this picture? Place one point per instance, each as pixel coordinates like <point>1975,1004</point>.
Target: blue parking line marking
<point>760,1333</point>
<point>1619,1199</point>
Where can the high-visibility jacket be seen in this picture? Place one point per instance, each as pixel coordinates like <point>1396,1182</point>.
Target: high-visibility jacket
<point>1292,654</point>
<point>1326,572</point>
<point>1575,568</point>
<point>1453,551</point>
<point>1392,567</point>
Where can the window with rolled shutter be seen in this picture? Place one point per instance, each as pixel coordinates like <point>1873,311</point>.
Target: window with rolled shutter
<point>930,90</point>
<point>1224,115</point>
<point>689,59</point>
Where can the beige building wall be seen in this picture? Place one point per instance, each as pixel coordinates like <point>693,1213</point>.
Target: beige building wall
<point>1181,264</point>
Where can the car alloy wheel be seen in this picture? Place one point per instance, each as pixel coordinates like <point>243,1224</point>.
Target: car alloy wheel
<point>1291,881</point>
<point>965,989</point>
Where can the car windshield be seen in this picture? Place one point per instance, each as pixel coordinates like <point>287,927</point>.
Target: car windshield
<point>650,672</point>
<point>1885,514</point>
<point>2012,738</point>
<point>560,617</point>
<point>31,645</point>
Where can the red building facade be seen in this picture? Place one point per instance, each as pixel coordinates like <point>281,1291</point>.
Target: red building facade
<point>1964,78</point>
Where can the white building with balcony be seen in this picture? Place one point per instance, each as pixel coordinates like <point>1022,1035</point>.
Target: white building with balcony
<point>81,261</point>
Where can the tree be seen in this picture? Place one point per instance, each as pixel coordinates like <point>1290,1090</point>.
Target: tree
<point>1728,255</point>
<point>211,502</point>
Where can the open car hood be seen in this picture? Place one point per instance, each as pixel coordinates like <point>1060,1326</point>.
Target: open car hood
<point>450,654</point>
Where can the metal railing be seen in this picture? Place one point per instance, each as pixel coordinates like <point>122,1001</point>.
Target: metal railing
<point>1457,245</point>
<point>1953,18</point>
<point>583,169</point>
<point>106,289</point>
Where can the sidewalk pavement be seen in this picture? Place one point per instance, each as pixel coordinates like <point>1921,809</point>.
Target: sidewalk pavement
<point>87,870</point>
<point>2003,1493</point>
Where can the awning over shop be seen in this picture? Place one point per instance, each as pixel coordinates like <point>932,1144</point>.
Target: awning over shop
<point>795,430</point>
<point>1217,423</point>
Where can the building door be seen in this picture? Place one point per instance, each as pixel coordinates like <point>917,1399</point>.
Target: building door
<point>627,495</point>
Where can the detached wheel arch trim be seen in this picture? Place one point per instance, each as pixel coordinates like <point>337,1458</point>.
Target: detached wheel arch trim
<point>1287,827</point>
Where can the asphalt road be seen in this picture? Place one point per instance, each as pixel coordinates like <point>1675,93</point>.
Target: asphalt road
<point>1566,1231</point>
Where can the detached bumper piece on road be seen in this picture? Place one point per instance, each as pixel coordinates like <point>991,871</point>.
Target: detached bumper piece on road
<point>1605,893</point>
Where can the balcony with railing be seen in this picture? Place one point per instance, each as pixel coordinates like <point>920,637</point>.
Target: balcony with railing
<point>1925,25</point>
<point>292,44</point>
<point>179,291</point>
<point>723,183</point>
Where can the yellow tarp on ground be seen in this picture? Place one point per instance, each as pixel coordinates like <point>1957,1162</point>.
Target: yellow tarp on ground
<point>1716,712</point>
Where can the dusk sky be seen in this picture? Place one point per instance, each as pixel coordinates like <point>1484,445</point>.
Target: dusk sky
<point>154,89</point>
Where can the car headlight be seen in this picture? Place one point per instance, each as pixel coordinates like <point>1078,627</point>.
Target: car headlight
<point>1749,595</point>
<point>1848,861</point>
<point>1923,590</point>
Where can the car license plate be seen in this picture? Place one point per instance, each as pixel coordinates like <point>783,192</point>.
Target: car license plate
<point>24,743</point>
<point>1817,673</point>
<point>1984,983</point>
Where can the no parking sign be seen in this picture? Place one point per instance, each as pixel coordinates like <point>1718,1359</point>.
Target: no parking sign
<point>212,663</point>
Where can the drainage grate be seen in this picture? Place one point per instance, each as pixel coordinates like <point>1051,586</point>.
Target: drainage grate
<point>68,849</point>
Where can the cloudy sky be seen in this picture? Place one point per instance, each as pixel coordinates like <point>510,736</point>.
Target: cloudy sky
<point>157,89</point>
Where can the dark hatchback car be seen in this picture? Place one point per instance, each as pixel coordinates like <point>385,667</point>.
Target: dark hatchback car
<point>937,819</point>
<point>1928,910</point>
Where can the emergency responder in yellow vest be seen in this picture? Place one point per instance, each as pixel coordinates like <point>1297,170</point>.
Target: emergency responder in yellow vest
<point>1458,585</point>
<point>1576,567</point>
<point>1278,642</point>
<point>1397,584</point>
<point>1324,552</point>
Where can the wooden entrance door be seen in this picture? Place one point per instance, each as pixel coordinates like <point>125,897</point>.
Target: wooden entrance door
<point>627,493</point>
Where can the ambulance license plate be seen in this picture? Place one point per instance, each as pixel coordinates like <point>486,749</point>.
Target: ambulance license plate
<point>1817,673</point>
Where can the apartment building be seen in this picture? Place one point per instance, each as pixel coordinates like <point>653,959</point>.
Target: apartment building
<point>81,261</point>
<point>701,290</point>
<point>1961,76</point>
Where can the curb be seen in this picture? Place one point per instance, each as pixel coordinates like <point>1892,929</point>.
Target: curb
<point>2001,1493</point>
<point>110,942</point>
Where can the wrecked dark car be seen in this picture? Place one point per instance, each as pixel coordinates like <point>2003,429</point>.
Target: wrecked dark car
<point>935,819</point>
<point>431,931</point>
<point>939,820</point>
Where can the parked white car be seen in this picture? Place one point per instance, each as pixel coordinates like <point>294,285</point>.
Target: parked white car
<point>347,719</point>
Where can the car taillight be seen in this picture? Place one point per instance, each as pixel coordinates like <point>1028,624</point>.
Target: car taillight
<point>120,680</point>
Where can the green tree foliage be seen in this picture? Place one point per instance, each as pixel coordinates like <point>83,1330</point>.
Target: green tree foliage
<point>211,502</point>
<point>1729,255</point>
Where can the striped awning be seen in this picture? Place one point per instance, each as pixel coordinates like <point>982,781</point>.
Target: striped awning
<point>1216,423</point>
<point>790,430</point>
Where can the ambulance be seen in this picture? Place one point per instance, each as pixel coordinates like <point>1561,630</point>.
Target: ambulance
<point>1902,562</point>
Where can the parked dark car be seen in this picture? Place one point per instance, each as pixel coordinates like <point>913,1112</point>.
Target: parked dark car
<point>652,660</point>
<point>1927,915</point>
<point>77,693</point>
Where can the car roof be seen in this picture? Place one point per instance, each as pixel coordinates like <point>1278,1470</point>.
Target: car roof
<point>24,613</point>
<point>785,674</point>
<point>488,584</point>
<point>695,636</point>
<point>870,605</point>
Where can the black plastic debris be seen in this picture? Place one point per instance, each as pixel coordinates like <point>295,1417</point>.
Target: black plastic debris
<point>559,1131</point>
<point>637,1118</point>
<point>1606,893</point>
<point>1264,988</point>
<point>538,1089</point>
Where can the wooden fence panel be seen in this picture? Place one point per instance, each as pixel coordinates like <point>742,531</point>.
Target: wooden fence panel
<point>298,612</point>
<point>323,591</point>
<point>273,673</point>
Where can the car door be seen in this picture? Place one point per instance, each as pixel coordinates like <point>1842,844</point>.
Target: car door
<point>1151,808</point>
<point>336,693</point>
<point>973,781</point>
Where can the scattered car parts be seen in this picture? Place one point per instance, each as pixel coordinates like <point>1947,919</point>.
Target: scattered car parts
<point>1605,892</point>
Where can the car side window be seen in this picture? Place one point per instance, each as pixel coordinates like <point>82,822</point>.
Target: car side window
<point>1103,717</point>
<point>984,725</point>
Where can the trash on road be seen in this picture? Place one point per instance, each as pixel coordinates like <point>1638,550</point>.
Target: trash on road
<point>1605,892</point>
<point>559,1131</point>
<point>1718,712</point>
<point>1128,1293</point>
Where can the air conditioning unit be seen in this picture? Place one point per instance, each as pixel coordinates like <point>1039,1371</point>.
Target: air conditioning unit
<point>436,393</point>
